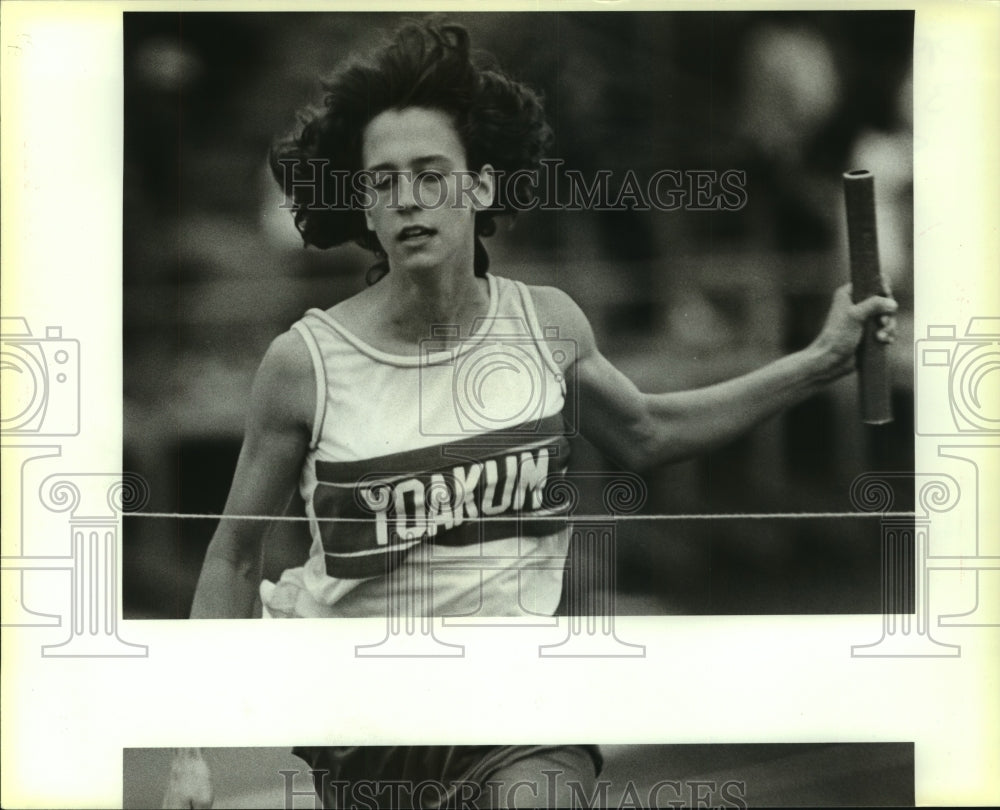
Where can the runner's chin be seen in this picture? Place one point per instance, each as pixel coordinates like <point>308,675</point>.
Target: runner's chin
<point>418,251</point>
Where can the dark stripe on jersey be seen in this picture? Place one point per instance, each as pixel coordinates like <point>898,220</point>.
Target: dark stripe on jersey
<point>437,495</point>
<point>469,535</point>
<point>446,455</point>
<point>366,566</point>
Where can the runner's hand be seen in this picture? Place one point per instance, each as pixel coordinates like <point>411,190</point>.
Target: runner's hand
<point>190,785</point>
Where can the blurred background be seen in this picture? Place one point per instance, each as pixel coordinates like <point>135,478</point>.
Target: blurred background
<point>767,775</point>
<point>214,269</point>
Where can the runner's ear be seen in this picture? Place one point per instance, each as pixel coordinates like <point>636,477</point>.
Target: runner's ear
<point>485,190</point>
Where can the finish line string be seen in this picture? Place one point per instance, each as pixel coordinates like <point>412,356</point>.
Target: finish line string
<point>564,517</point>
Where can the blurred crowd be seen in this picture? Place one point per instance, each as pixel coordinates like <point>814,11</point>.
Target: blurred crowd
<point>214,269</point>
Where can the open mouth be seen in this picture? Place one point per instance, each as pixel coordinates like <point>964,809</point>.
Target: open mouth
<point>414,232</point>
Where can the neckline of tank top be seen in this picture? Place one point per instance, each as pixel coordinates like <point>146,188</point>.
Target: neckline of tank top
<point>422,358</point>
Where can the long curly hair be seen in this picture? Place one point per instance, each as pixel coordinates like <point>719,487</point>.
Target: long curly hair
<point>499,121</point>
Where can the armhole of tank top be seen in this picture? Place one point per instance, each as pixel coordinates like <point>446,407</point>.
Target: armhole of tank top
<point>320,369</point>
<point>536,332</point>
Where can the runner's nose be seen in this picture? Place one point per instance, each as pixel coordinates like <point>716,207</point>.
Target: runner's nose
<point>405,196</point>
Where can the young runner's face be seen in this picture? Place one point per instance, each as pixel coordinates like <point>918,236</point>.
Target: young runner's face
<point>424,197</point>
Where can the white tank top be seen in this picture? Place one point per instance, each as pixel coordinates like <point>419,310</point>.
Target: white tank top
<point>441,470</point>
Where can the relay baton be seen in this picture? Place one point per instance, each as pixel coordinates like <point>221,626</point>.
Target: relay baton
<point>866,280</point>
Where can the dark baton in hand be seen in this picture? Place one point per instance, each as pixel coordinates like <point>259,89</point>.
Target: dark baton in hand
<point>866,281</point>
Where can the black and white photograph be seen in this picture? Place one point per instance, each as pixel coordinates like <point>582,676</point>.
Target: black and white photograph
<point>607,389</point>
<point>645,324</point>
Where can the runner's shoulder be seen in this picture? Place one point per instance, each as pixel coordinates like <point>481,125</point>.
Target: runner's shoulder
<point>287,358</point>
<point>285,385</point>
<point>556,308</point>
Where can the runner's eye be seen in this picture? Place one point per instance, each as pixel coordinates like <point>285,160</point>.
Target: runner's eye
<point>382,181</point>
<point>431,176</point>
